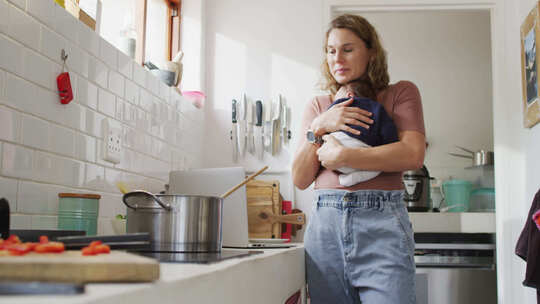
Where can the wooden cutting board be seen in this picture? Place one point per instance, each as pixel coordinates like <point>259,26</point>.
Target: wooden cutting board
<point>263,196</point>
<point>72,266</point>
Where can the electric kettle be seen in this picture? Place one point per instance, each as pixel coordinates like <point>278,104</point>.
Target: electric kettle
<point>417,190</point>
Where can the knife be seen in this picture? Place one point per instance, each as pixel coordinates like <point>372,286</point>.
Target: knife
<point>249,123</point>
<point>234,132</point>
<point>241,124</point>
<point>276,113</point>
<point>259,145</point>
<point>267,125</point>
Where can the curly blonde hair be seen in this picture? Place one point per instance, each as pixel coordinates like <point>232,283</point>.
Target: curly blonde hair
<point>376,77</point>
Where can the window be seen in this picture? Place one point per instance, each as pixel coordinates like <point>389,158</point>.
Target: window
<point>145,30</point>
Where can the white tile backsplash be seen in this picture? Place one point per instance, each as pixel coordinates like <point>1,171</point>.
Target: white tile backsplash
<point>37,198</point>
<point>97,72</point>
<point>17,221</point>
<point>43,11</point>
<point>139,75</point>
<point>4,16</point>
<point>51,44</point>
<point>37,68</point>
<point>132,92</point>
<point>62,141</point>
<point>106,103</point>
<point>11,59</point>
<point>20,3</point>
<point>17,161</point>
<point>23,28</point>
<point>88,40</point>
<point>85,148</point>
<point>9,124</point>
<point>65,24</point>
<point>34,132</point>
<point>88,93</point>
<point>8,190</point>
<point>47,147</point>
<point>109,54</point>
<point>125,65</point>
<point>116,83</point>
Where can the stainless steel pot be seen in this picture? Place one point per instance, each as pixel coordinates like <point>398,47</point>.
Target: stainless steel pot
<point>186,223</point>
<point>479,158</point>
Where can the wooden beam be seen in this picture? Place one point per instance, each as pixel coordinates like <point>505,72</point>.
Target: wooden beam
<point>140,27</point>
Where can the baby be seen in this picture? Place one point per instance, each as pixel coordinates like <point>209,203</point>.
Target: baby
<point>381,132</point>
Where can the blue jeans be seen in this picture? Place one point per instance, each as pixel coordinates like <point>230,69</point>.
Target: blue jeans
<point>360,248</point>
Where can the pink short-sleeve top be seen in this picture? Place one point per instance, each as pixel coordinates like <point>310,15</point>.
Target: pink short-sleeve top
<point>403,104</point>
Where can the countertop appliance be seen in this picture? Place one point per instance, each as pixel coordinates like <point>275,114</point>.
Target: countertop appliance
<point>455,268</point>
<point>417,190</point>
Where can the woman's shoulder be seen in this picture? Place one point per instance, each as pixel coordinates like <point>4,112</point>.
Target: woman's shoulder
<point>321,102</point>
<point>401,90</point>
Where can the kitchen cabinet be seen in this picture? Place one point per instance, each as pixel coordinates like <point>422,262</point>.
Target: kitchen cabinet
<point>457,222</point>
<point>271,277</point>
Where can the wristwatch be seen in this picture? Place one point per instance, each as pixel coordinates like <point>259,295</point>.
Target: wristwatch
<point>314,139</point>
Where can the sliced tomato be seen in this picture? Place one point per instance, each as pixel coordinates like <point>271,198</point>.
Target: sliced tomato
<point>20,249</point>
<point>50,247</point>
<point>88,251</point>
<point>13,239</point>
<point>43,239</point>
<point>96,249</point>
<point>102,249</point>
<point>94,243</point>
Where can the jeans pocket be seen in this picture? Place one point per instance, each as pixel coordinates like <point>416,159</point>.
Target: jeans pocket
<point>401,215</point>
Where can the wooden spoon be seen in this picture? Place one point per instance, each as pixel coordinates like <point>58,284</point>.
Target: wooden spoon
<point>252,176</point>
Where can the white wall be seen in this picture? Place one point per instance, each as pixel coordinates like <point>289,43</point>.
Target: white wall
<point>517,164</point>
<point>47,148</point>
<point>447,55</point>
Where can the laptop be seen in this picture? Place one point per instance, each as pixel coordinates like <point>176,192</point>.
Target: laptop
<point>215,182</point>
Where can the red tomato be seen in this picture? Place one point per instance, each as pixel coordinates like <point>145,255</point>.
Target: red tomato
<point>43,239</point>
<point>94,243</point>
<point>53,247</point>
<point>13,239</point>
<point>19,249</point>
<point>88,251</point>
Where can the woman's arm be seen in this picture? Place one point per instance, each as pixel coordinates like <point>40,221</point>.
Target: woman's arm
<point>406,154</point>
<point>305,165</point>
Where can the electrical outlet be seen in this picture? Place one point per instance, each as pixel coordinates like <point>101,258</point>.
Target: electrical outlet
<point>112,141</point>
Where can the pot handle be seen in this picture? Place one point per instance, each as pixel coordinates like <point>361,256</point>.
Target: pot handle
<point>140,193</point>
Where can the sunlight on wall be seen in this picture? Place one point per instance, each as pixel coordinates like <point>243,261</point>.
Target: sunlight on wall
<point>229,73</point>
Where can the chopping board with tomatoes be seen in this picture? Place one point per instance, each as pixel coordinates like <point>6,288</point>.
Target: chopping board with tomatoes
<point>48,261</point>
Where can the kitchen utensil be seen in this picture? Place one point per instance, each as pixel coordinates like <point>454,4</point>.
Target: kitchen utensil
<point>241,124</point>
<point>482,200</point>
<point>134,241</point>
<point>234,132</point>
<point>167,77</point>
<point>4,218</point>
<point>259,143</point>
<point>456,194</point>
<point>71,266</point>
<point>479,158</point>
<point>249,124</point>
<point>268,125</point>
<point>297,218</point>
<point>122,187</point>
<point>263,196</point>
<point>78,211</point>
<point>276,127</point>
<point>39,288</point>
<point>188,223</point>
<point>417,190</point>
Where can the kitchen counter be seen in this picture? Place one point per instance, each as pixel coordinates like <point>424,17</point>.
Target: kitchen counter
<point>464,222</point>
<point>271,277</point>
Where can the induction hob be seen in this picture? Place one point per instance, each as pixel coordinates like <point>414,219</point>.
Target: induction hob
<point>197,257</point>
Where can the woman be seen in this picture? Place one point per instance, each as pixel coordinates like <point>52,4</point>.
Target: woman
<point>359,242</point>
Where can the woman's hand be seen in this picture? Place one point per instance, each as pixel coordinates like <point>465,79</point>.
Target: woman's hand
<point>330,153</point>
<point>337,118</point>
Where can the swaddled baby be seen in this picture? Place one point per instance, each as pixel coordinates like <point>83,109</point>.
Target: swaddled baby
<point>382,131</point>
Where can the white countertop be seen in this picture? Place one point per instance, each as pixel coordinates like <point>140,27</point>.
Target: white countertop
<point>465,222</point>
<point>270,277</point>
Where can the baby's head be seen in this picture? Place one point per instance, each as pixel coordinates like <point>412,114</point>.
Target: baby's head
<point>356,89</point>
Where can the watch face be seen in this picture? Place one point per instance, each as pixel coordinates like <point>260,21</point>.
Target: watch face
<point>310,136</point>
